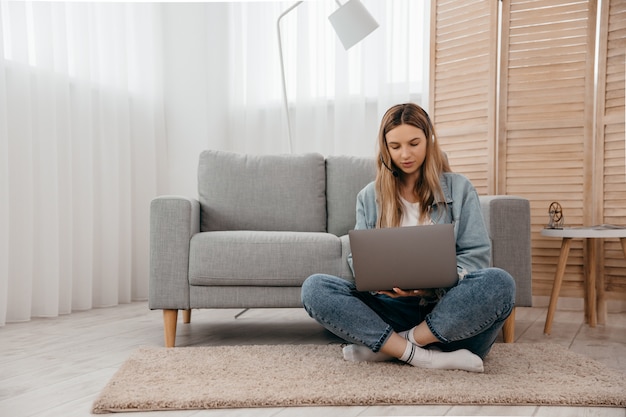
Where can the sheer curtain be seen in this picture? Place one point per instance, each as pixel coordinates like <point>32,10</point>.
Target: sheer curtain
<point>103,106</point>
<point>81,121</point>
<point>336,97</point>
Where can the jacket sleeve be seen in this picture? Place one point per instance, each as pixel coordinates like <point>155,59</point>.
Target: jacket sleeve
<point>365,213</point>
<point>473,249</point>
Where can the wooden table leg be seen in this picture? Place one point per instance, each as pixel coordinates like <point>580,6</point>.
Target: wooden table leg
<point>601,297</point>
<point>558,280</point>
<point>590,283</point>
<point>601,305</point>
<point>602,313</point>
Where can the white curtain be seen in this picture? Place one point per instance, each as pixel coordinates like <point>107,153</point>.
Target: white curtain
<point>105,105</point>
<point>81,121</point>
<point>229,96</point>
<point>336,97</point>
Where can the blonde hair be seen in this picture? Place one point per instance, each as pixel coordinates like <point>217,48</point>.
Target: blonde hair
<point>427,188</point>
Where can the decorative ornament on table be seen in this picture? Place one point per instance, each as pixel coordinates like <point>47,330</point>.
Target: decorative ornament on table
<point>555,213</point>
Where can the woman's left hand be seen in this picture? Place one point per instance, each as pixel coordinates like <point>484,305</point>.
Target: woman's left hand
<point>397,292</point>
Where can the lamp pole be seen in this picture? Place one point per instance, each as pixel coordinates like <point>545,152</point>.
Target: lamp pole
<point>282,72</point>
<point>351,21</point>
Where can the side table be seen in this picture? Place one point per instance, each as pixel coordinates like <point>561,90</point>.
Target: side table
<point>595,304</point>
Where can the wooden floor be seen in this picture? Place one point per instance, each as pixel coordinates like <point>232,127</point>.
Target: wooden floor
<point>57,366</point>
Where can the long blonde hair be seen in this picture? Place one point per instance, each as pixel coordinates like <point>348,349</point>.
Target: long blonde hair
<point>427,188</point>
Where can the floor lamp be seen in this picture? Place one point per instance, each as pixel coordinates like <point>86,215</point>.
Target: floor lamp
<point>352,23</point>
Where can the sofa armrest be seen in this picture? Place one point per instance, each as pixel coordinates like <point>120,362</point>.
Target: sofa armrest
<point>173,221</point>
<point>508,223</point>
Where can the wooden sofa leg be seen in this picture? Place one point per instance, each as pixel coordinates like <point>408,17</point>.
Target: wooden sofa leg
<point>187,316</point>
<point>508,330</point>
<point>170,317</point>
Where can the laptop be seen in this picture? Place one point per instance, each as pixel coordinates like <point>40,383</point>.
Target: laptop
<point>413,257</point>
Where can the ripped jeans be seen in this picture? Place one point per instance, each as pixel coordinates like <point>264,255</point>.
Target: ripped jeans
<point>469,315</point>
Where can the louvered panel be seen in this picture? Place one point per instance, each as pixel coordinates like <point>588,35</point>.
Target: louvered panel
<point>467,155</point>
<point>567,33</point>
<point>460,111</point>
<point>545,122</point>
<point>463,74</point>
<point>448,16</point>
<point>563,46</point>
<point>454,9</point>
<point>544,7</point>
<point>611,161</point>
<point>449,46</point>
<point>472,67</point>
<point>524,85</point>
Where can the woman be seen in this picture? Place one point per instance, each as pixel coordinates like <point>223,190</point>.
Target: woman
<point>441,328</point>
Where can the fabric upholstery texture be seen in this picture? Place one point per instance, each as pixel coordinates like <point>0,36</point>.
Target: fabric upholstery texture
<point>345,177</point>
<point>272,259</point>
<point>508,223</point>
<point>244,297</point>
<point>263,224</point>
<point>269,192</point>
<point>173,221</point>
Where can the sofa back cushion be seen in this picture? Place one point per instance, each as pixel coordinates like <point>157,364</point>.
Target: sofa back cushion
<point>262,192</point>
<point>345,177</point>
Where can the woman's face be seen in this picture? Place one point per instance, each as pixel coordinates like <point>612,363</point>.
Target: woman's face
<point>407,147</point>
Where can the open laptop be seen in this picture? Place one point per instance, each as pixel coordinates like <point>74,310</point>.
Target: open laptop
<point>414,257</point>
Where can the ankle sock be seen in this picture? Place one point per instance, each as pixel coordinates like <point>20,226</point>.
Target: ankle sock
<point>360,353</point>
<point>461,359</point>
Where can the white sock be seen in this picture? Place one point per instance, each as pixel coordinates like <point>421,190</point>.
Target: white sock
<point>461,359</point>
<point>360,353</point>
<point>408,335</point>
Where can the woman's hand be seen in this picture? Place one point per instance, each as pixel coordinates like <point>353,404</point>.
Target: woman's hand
<point>397,292</point>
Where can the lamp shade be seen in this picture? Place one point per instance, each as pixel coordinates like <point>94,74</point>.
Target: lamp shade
<point>352,23</point>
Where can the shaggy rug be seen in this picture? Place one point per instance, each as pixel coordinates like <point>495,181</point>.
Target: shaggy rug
<point>298,375</point>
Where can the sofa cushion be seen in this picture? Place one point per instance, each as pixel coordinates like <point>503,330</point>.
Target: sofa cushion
<point>256,258</point>
<point>345,177</point>
<point>269,192</point>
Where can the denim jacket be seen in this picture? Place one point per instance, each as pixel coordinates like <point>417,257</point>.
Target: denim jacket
<point>473,248</point>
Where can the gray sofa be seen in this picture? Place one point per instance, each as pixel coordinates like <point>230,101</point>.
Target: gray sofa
<point>262,224</point>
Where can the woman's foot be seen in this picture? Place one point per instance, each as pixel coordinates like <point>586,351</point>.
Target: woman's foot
<point>461,359</point>
<point>361,353</point>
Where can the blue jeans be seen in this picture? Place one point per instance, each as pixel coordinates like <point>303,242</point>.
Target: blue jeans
<point>469,315</point>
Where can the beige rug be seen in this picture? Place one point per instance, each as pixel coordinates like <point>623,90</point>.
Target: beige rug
<point>299,375</point>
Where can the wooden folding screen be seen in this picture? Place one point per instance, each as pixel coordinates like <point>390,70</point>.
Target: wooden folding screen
<point>609,201</point>
<point>546,112</point>
<point>463,85</point>
<point>518,117</point>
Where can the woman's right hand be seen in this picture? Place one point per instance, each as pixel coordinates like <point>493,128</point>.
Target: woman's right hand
<point>397,293</point>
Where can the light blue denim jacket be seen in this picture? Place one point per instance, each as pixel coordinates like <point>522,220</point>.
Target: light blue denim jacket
<point>473,250</point>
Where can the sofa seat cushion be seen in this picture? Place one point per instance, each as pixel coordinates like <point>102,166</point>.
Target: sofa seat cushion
<point>257,258</point>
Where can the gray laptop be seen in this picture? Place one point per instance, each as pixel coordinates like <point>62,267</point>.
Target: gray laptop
<point>414,257</point>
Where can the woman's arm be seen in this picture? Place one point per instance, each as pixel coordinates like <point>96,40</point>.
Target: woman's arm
<point>366,210</point>
<point>472,240</point>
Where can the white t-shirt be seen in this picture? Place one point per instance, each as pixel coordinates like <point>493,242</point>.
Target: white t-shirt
<point>410,217</point>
